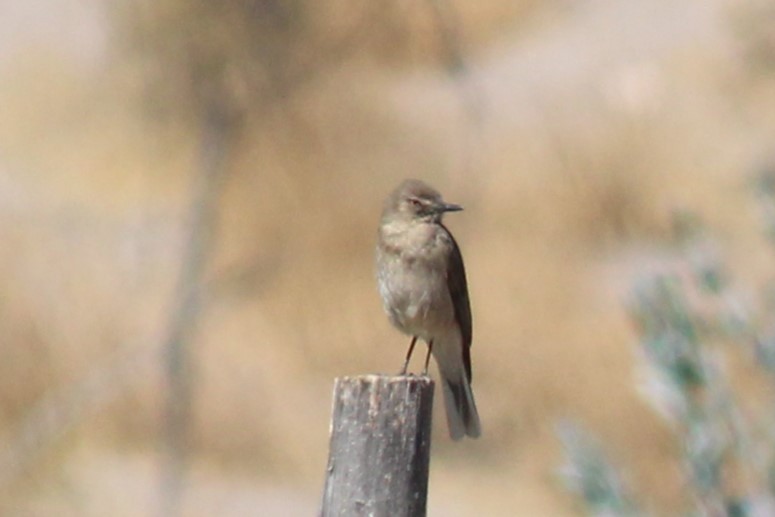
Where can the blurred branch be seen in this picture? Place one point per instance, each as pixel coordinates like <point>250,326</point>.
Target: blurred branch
<point>218,128</point>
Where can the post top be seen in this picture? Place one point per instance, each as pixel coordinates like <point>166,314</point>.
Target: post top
<point>381,378</point>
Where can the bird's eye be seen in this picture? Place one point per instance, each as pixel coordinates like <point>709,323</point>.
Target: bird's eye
<point>415,202</point>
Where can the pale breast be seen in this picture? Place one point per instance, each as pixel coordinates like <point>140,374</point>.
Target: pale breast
<point>412,277</point>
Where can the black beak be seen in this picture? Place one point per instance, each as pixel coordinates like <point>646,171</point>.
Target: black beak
<point>449,207</point>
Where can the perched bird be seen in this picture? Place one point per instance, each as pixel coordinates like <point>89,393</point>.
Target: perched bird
<point>423,287</point>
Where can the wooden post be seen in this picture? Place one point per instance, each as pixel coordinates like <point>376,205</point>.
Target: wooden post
<point>380,447</point>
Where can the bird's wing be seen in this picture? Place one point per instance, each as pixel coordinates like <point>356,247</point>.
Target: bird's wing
<point>458,290</point>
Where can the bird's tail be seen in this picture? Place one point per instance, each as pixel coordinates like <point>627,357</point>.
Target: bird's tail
<point>462,417</point>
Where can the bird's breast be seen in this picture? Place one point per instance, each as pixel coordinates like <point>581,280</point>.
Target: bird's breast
<point>412,277</point>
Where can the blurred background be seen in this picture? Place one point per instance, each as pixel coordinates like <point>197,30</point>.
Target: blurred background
<point>189,194</point>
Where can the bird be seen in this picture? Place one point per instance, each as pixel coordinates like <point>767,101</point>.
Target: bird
<point>422,283</point>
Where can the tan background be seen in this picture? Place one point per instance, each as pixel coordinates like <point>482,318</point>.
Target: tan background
<point>574,131</point>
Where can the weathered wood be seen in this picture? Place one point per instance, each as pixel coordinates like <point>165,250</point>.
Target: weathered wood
<point>380,447</point>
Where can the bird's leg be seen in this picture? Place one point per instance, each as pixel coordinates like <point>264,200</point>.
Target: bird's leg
<point>408,356</point>
<point>428,357</point>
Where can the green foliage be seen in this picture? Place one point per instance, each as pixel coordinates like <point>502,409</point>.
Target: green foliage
<point>589,474</point>
<point>689,321</point>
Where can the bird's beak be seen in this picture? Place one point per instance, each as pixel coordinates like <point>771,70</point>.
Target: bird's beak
<point>449,207</point>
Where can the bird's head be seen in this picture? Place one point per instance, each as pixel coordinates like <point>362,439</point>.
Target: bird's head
<point>414,200</point>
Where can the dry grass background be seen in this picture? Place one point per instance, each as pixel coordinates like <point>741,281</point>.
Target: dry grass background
<point>576,130</point>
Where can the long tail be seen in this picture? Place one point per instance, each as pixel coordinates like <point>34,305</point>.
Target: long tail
<point>462,417</point>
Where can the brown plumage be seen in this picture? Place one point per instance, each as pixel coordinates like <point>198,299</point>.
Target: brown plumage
<point>423,286</point>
